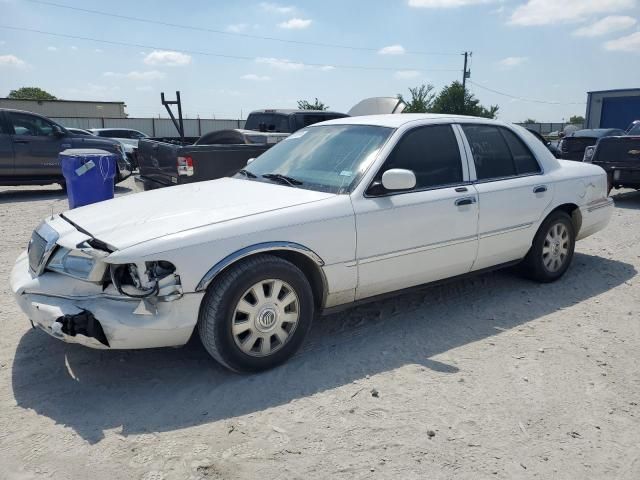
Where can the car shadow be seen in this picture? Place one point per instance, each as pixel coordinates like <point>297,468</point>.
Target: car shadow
<point>14,195</point>
<point>146,391</point>
<point>628,200</point>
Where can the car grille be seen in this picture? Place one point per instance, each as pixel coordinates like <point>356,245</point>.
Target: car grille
<point>36,250</point>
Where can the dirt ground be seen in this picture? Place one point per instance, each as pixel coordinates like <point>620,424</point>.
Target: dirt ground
<point>491,377</point>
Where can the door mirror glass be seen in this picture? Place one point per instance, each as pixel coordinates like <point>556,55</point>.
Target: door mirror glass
<point>398,179</point>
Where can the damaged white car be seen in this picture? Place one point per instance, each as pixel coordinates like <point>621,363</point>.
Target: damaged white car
<point>340,212</point>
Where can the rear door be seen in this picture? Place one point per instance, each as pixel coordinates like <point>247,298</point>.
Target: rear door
<point>36,146</point>
<point>6,149</point>
<point>513,193</point>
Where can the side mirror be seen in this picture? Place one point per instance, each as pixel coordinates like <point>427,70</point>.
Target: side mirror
<point>398,179</point>
<point>250,160</point>
<point>58,131</point>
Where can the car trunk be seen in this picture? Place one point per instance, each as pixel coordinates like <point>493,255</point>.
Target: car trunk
<point>572,148</point>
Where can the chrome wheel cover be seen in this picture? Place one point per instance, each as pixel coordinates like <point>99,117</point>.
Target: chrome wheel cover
<point>265,317</point>
<point>555,249</point>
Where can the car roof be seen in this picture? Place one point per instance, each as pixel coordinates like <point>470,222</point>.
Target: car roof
<point>291,111</point>
<point>111,129</point>
<point>397,120</point>
<point>595,132</point>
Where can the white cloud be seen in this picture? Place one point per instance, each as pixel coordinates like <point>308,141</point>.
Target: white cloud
<point>446,3</point>
<point>406,74</point>
<point>630,43</point>
<point>274,7</point>
<point>167,58</point>
<point>255,78</point>
<point>606,25</point>
<point>12,61</point>
<point>295,23</point>
<point>138,76</point>
<point>73,47</point>
<point>546,12</point>
<point>280,63</point>
<point>512,62</point>
<point>52,49</point>
<point>237,27</point>
<point>392,50</point>
<point>327,68</point>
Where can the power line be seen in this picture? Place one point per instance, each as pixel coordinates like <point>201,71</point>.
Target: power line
<point>523,98</point>
<point>223,32</point>
<point>221,55</point>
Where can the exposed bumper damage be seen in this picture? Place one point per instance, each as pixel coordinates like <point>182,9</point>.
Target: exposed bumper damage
<point>99,315</point>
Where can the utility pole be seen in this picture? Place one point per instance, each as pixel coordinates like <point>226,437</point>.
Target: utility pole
<point>466,73</point>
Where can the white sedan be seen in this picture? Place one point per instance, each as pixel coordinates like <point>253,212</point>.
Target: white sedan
<point>338,213</point>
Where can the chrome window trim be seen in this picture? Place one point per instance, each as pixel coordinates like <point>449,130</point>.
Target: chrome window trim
<point>259,248</point>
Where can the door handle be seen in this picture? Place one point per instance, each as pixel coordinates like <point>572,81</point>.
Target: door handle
<point>465,201</point>
<point>540,189</point>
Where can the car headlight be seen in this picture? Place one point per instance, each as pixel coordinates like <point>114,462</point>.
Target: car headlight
<point>75,263</point>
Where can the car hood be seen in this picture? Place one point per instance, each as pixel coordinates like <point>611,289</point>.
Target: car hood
<point>132,219</point>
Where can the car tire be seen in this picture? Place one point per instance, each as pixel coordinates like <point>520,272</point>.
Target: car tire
<point>257,314</point>
<point>552,249</point>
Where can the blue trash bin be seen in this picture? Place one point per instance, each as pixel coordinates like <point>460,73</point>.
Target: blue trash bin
<point>89,175</point>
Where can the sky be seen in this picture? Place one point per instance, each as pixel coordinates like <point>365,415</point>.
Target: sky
<point>534,58</point>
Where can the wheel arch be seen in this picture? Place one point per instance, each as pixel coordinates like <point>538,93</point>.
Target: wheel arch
<point>573,211</point>
<point>309,262</point>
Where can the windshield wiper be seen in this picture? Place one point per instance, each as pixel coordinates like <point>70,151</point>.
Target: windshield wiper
<point>247,173</point>
<point>283,178</point>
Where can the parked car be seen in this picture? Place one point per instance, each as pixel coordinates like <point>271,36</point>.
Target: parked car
<point>573,146</point>
<point>222,153</point>
<point>30,144</point>
<point>338,213</point>
<point>127,136</point>
<point>287,121</point>
<point>620,157</point>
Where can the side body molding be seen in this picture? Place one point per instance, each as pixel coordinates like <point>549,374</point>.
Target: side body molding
<point>251,250</point>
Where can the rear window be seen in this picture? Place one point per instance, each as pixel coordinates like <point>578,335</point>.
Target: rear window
<point>268,122</point>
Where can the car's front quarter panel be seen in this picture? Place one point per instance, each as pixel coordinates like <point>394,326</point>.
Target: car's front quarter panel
<point>324,227</point>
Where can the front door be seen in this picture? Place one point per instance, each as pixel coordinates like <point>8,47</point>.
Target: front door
<point>424,234</point>
<point>36,146</point>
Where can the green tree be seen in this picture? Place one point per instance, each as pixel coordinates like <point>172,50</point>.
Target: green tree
<point>421,99</point>
<point>577,120</point>
<point>455,100</point>
<point>529,121</point>
<point>30,93</point>
<point>317,105</point>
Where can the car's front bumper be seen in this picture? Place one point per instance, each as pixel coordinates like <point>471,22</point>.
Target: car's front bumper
<point>53,301</point>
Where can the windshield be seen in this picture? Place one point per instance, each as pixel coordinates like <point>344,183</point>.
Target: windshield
<point>328,158</point>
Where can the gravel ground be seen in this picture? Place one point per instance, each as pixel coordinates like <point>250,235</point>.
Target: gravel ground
<point>491,377</point>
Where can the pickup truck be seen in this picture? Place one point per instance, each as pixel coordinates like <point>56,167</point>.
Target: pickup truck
<point>620,157</point>
<point>573,146</point>
<point>167,162</point>
<point>30,144</point>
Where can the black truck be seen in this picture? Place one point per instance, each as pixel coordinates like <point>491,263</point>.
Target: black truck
<point>572,147</point>
<point>620,157</point>
<point>30,144</point>
<point>165,162</point>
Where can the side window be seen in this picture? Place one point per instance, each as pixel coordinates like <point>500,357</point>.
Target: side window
<point>25,124</point>
<point>137,135</point>
<point>525,162</point>
<point>432,153</point>
<point>491,153</point>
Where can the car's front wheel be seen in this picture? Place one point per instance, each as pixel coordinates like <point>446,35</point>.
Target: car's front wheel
<point>552,249</point>
<point>257,314</point>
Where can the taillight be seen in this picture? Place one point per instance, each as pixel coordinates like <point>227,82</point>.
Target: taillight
<point>185,166</point>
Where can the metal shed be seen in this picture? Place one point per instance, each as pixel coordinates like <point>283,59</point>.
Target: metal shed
<point>612,108</point>
<point>67,108</point>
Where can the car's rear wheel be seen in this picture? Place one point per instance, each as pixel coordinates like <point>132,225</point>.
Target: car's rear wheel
<point>552,249</point>
<point>257,314</point>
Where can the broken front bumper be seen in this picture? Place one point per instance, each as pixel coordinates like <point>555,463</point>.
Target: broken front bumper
<point>75,311</point>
